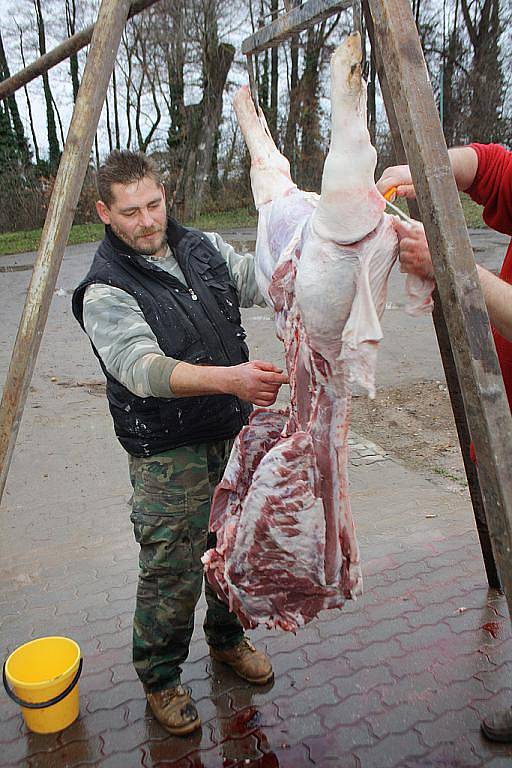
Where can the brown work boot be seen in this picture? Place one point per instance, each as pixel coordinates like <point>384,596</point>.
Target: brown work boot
<point>175,710</point>
<point>254,666</point>
<point>498,727</point>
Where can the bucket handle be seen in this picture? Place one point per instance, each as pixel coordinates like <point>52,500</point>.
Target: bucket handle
<point>41,704</point>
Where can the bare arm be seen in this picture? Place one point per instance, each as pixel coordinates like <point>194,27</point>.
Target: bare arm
<point>498,299</point>
<point>415,259</point>
<point>464,162</point>
<point>257,382</point>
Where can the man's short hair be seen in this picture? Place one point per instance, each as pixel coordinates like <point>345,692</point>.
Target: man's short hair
<point>124,167</point>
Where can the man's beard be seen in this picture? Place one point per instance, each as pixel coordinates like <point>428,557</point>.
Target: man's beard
<point>137,242</point>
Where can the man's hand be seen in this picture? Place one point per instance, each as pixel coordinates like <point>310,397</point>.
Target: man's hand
<point>398,176</point>
<point>414,253</point>
<point>257,382</point>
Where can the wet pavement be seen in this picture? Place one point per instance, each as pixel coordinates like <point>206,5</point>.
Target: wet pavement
<point>400,678</point>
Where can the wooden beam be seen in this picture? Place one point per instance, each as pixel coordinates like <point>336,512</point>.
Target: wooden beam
<point>485,403</point>
<point>112,17</point>
<point>60,53</point>
<point>443,339</point>
<point>296,20</point>
<point>461,424</point>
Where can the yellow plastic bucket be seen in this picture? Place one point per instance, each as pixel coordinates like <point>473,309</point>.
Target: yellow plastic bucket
<point>42,677</point>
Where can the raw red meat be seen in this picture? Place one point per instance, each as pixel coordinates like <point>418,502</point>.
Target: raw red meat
<point>286,545</point>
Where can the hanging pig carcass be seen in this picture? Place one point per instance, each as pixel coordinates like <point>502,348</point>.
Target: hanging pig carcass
<point>286,545</point>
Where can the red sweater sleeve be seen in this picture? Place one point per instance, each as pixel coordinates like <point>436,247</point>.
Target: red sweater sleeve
<point>492,186</point>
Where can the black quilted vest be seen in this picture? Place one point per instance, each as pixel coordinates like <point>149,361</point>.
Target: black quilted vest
<point>205,330</point>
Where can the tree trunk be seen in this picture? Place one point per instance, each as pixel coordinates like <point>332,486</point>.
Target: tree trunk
<point>486,80</point>
<point>59,121</point>
<point>311,158</point>
<point>116,110</point>
<point>228,160</point>
<point>372,101</point>
<point>23,149</point>
<point>214,173</point>
<point>203,119</point>
<point>109,128</point>
<point>53,142</point>
<point>455,104</point>
<point>128,84</point>
<point>263,85</point>
<point>176,137</point>
<point>211,113</point>
<point>274,79</point>
<point>29,104</point>
<point>73,59</point>
<point>290,139</point>
<point>97,152</point>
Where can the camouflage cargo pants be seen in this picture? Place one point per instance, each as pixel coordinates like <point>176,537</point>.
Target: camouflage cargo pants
<point>172,494</point>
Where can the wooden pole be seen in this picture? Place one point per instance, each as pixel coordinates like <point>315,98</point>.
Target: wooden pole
<point>60,53</point>
<point>112,17</point>
<point>485,403</point>
<point>443,339</point>
<point>296,20</point>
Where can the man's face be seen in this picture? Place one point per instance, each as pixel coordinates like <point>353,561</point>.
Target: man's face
<point>137,215</point>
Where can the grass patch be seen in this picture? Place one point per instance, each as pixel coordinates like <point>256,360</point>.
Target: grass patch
<point>472,212</point>
<point>217,221</point>
<point>28,240</point>
<point>450,476</point>
<point>20,242</point>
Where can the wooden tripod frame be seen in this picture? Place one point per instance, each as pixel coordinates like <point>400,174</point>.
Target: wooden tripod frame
<point>462,325</point>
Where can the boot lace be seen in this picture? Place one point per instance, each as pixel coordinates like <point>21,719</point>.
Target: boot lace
<point>172,693</point>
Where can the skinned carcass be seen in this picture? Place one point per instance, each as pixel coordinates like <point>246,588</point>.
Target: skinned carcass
<point>286,545</point>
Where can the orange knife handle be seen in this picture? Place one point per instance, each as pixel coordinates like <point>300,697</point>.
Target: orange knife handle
<point>390,194</point>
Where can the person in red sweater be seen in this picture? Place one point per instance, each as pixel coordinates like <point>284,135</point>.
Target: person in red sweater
<point>484,171</point>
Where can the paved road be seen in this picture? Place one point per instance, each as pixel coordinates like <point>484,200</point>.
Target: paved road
<point>398,679</point>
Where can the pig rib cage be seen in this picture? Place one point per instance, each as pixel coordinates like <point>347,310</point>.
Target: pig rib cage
<point>460,317</point>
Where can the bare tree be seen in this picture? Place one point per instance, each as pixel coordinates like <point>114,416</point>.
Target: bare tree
<point>274,78</point>
<point>127,69</point>
<point>483,24</point>
<point>203,118</point>
<point>71,17</point>
<point>291,146</point>
<point>12,107</point>
<point>53,142</point>
<point>305,112</point>
<point>455,93</point>
<point>145,83</point>
<point>27,98</point>
<point>116,110</point>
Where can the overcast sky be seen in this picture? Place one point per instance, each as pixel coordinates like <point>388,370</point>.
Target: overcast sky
<point>61,85</point>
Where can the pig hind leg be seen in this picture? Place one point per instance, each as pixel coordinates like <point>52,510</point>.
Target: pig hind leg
<point>350,206</point>
<point>270,170</point>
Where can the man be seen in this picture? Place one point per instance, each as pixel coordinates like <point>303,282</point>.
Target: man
<point>485,173</point>
<point>160,305</point>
